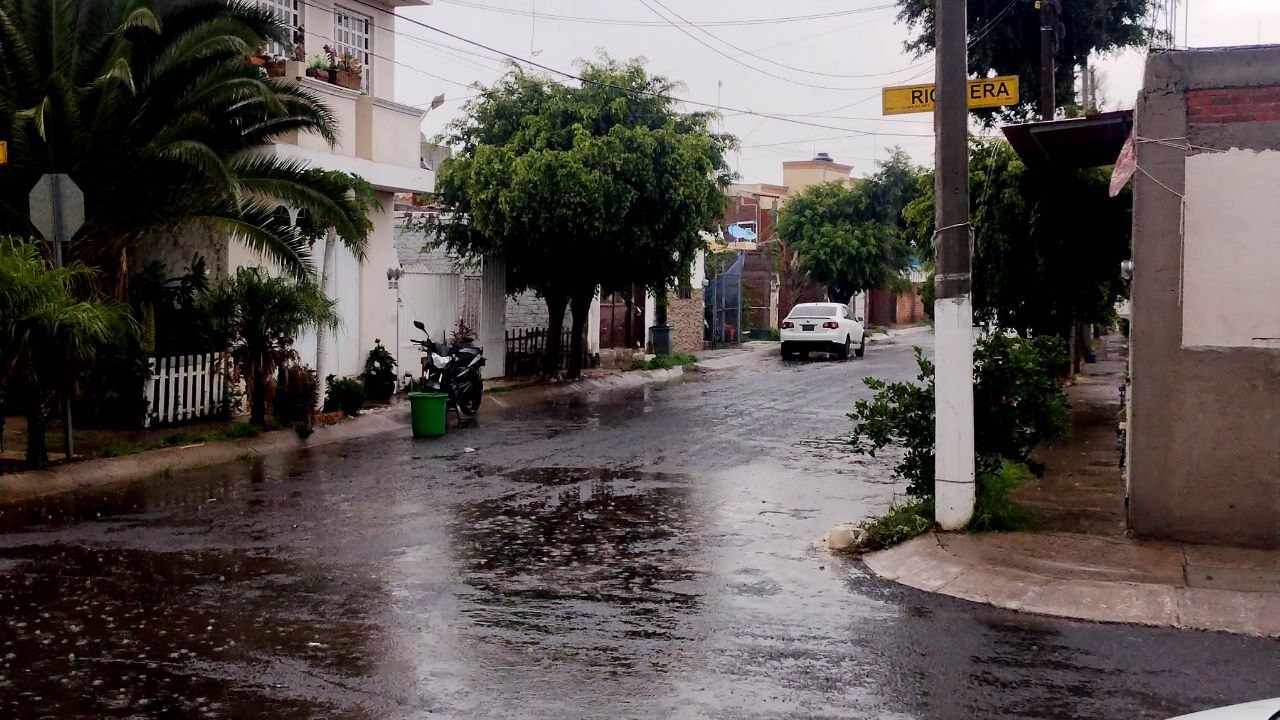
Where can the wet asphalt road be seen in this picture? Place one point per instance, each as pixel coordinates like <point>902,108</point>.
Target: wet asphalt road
<point>633,554</point>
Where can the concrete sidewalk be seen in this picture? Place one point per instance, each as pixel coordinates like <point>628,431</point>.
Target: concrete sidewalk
<point>1091,577</point>
<point>1079,562</point>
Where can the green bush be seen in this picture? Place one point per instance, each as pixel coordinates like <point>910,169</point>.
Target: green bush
<point>379,373</point>
<point>1018,403</point>
<point>662,362</point>
<point>297,396</point>
<point>345,394</point>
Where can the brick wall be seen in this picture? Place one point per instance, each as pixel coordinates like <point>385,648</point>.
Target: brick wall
<point>1233,105</point>
<point>685,317</point>
<point>910,308</point>
<point>527,311</point>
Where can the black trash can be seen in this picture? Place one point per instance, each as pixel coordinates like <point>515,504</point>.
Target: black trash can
<point>660,336</point>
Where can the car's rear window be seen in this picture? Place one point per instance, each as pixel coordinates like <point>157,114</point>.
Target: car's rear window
<point>813,311</point>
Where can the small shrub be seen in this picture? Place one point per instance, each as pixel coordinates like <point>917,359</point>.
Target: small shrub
<point>116,448</point>
<point>297,395</point>
<point>993,510</point>
<point>1018,403</point>
<point>662,362</point>
<point>379,373</point>
<point>345,394</point>
<point>899,523</point>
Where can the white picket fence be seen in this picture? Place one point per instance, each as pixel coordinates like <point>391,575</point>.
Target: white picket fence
<point>185,387</point>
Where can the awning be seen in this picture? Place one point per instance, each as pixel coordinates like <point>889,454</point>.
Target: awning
<point>1072,143</point>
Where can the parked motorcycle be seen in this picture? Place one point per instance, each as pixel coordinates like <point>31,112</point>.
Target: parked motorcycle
<point>453,369</point>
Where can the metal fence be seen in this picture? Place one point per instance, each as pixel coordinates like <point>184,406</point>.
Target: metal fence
<point>723,305</point>
<point>525,350</point>
<point>185,387</point>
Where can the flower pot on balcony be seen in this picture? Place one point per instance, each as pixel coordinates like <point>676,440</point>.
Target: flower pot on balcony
<point>324,74</point>
<point>275,67</point>
<point>347,79</point>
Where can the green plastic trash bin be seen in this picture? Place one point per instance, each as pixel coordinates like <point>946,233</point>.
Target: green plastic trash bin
<point>428,413</point>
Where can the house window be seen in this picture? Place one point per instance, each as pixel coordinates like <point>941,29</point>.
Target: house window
<point>353,35</point>
<point>287,12</point>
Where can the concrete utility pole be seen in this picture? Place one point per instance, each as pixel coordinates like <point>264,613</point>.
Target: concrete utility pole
<point>1048,49</point>
<point>953,304</point>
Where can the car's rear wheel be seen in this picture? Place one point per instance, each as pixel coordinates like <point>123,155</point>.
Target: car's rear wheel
<point>787,352</point>
<point>862,348</point>
<point>844,351</point>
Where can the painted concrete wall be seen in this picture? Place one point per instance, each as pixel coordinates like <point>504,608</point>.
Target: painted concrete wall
<point>1231,244</point>
<point>800,174</point>
<point>1204,434</point>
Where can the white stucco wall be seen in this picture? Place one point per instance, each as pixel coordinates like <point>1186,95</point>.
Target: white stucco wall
<point>1231,250</point>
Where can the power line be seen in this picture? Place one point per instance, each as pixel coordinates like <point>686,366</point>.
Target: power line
<point>650,23</point>
<point>650,93</point>
<point>745,51</point>
<point>736,60</point>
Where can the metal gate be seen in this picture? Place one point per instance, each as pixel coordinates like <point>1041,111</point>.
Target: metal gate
<point>722,300</point>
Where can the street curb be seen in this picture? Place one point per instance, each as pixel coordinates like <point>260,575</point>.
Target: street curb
<point>926,564</point>
<point>105,472</point>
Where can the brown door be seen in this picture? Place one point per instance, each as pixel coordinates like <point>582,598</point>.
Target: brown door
<point>622,319</point>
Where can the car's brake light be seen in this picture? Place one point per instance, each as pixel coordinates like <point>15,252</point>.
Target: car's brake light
<point>787,325</point>
<point>831,325</point>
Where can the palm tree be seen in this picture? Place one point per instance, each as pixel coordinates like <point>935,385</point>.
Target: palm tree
<point>47,334</point>
<point>264,314</point>
<point>155,112</point>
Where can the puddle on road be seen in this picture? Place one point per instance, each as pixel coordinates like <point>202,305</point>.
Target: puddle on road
<point>104,631</point>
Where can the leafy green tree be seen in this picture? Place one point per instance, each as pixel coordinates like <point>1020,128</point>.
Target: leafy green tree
<point>263,314</point>
<point>577,187</point>
<point>852,238</point>
<point>1006,40</point>
<point>1048,243</point>
<point>48,335</point>
<point>155,112</point>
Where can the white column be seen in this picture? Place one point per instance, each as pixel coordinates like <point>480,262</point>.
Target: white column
<point>953,411</point>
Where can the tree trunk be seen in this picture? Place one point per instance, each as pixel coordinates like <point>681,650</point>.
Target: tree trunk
<point>581,306</point>
<point>326,286</point>
<point>37,451</point>
<point>258,401</point>
<point>555,327</point>
<point>660,306</point>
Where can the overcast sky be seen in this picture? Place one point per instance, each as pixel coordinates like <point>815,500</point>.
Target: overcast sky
<point>848,55</point>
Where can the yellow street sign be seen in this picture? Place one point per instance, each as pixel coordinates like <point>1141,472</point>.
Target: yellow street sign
<point>983,93</point>
<point>4,153</point>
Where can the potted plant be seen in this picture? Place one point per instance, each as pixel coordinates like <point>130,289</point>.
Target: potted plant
<point>319,69</point>
<point>349,73</point>
<point>274,65</point>
<point>379,373</point>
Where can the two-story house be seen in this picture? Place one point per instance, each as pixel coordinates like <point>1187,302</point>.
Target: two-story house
<point>378,139</point>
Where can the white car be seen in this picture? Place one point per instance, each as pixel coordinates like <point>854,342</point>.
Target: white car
<point>822,327</point>
<point>1260,710</point>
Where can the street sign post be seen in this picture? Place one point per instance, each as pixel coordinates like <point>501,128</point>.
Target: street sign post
<point>57,211</point>
<point>983,93</point>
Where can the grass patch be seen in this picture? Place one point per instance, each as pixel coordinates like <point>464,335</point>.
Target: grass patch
<point>662,362</point>
<point>241,430</point>
<point>993,511</point>
<point>117,448</point>
<point>898,524</point>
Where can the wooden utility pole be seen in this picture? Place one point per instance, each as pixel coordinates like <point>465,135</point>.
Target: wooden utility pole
<point>953,304</point>
<point>1048,49</point>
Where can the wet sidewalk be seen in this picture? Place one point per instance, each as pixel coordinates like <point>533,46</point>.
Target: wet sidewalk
<point>1078,562</point>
